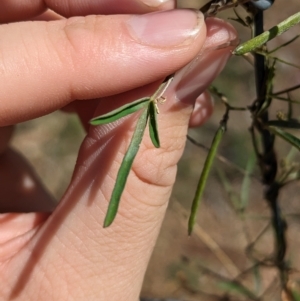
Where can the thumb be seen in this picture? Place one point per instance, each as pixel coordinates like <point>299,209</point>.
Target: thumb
<point>53,63</point>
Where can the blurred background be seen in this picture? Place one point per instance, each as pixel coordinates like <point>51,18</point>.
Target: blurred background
<point>219,260</point>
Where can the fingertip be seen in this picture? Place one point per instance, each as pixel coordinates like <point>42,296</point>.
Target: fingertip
<point>219,32</point>
<point>20,10</point>
<point>202,110</point>
<point>48,15</point>
<point>5,136</point>
<point>108,7</point>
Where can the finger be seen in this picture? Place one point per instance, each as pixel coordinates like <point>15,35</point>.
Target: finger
<point>70,8</point>
<point>121,252</point>
<point>48,15</point>
<point>16,230</point>
<point>5,136</point>
<point>55,63</point>
<point>21,188</point>
<point>202,110</point>
<point>14,10</point>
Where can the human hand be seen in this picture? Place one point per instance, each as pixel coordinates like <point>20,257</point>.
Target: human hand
<point>94,64</point>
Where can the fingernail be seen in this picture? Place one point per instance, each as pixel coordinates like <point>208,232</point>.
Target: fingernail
<point>166,28</point>
<point>166,4</point>
<point>201,72</point>
<point>194,78</point>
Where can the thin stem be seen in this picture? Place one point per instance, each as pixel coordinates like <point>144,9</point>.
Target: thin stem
<point>222,158</point>
<point>286,90</point>
<point>267,159</point>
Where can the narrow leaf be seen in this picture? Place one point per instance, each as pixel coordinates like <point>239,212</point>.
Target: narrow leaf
<point>237,288</point>
<point>153,129</point>
<point>291,139</point>
<point>204,175</point>
<point>125,168</point>
<point>120,112</point>
<point>266,36</point>
<point>291,124</point>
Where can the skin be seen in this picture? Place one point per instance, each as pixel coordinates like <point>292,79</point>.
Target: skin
<point>66,254</point>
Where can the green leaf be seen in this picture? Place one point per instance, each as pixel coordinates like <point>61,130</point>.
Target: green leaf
<point>120,112</point>
<point>266,36</point>
<point>291,124</point>
<point>291,139</point>
<point>153,129</point>
<point>237,288</point>
<point>125,168</point>
<point>204,175</point>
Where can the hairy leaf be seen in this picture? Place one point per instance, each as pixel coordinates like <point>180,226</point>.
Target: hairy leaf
<point>266,36</point>
<point>291,139</point>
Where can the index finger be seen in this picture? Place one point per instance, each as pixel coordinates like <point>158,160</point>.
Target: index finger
<point>14,10</point>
